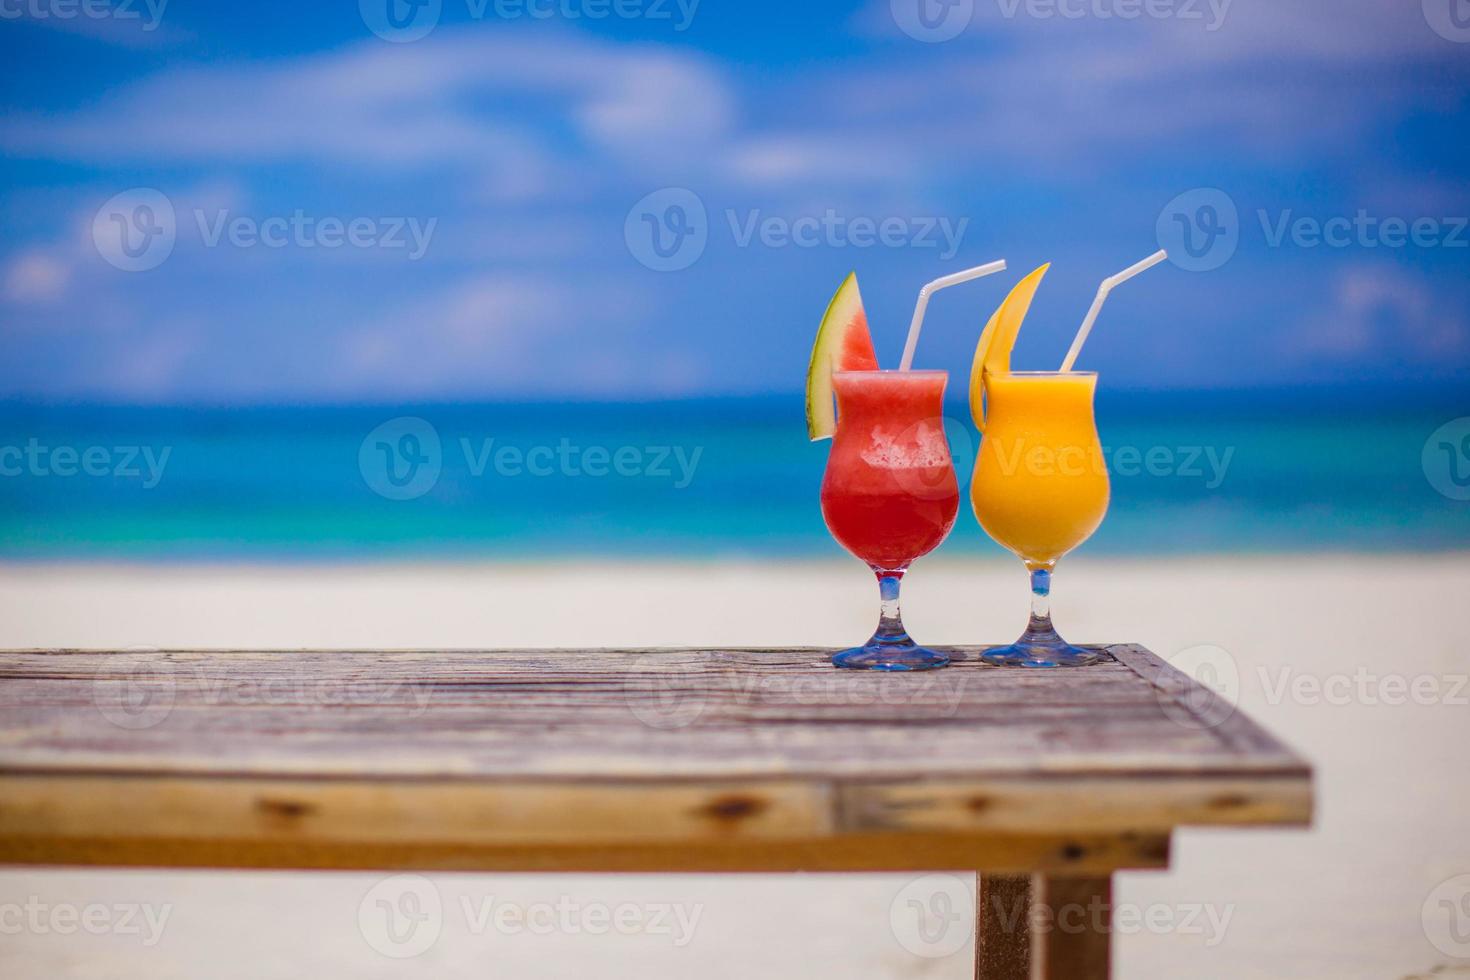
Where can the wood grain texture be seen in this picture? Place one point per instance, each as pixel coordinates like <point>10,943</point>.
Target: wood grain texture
<point>493,752</point>
<point>1001,853</point>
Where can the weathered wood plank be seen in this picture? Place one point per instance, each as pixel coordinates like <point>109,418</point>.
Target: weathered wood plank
<point>266,840</point>
<point>754,759</point>
<point>687,714</point>
<point>413,811</point>
<point>1142,803</point>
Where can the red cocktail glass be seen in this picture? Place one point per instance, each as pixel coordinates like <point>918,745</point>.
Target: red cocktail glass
<point>890,495</point>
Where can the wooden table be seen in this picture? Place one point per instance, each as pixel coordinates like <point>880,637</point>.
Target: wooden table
<point>1045,782</point>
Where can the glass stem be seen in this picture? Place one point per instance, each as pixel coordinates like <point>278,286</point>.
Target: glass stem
<point>890,619</point>
<point>1040,624</point>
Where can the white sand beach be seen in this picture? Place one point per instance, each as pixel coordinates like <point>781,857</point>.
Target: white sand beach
<point>1358,662</point>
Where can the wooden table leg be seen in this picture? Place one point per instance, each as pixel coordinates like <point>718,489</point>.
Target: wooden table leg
<point>1075,928</point>
<point>1043,927</point>
<point>1003,927</point>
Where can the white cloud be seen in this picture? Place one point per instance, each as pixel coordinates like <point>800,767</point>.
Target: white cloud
<point>36,277</point>
<point>473,100</point>
<point>785,159</point>
<point>136,24</point>
<point>1071,94</point>
<point>491,336</point>
<point>1383,308</point>
<point>153,362</point>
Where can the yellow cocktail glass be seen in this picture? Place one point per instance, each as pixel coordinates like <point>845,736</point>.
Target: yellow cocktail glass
<point>1040,490</point>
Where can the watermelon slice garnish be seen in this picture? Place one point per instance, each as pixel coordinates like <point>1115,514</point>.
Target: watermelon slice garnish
<point>843,344</point>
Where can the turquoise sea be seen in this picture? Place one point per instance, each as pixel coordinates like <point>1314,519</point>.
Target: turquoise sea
<point>1250,471</point>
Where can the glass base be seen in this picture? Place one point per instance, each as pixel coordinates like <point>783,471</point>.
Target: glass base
<point>877,654</point>
<point>1042,651</point>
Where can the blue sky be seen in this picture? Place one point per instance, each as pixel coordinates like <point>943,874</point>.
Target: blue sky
<point>500,168</point>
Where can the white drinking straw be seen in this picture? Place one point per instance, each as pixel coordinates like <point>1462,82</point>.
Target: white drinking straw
<point>943,282</point>
<point>1102,294</point>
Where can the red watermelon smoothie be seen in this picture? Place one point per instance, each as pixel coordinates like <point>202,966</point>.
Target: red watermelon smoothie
<point>890,494</point>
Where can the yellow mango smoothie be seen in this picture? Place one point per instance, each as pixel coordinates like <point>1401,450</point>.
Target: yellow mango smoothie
<point>1041,483</point>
